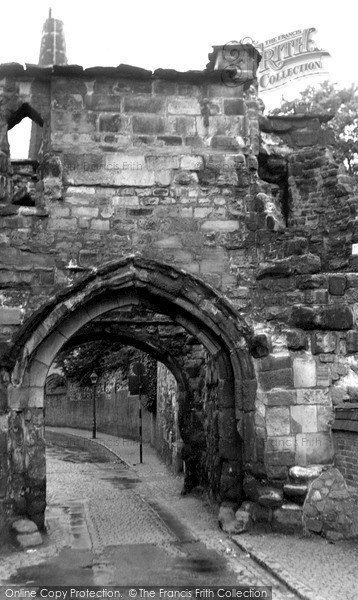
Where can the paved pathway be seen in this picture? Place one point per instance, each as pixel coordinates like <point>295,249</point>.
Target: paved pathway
<point>313,567</point>
<point>110,524</point>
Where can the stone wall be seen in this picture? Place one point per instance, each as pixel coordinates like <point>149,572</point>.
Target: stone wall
<point>172,167</point>
<point>168,441</point>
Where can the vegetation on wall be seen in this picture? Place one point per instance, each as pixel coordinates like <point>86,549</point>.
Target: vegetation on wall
<point>106,358</point>
<point>343,105</point>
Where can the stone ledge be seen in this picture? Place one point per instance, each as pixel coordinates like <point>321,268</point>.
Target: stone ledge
<point>122,71</point>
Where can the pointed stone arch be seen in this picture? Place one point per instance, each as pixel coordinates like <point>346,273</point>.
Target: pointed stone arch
<point>24,110</point>
<point>189,301</point>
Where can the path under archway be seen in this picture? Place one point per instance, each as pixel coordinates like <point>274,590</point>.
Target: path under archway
<point>191,303</point>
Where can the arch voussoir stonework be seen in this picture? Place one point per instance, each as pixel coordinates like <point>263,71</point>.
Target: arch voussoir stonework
<point>189,301</point>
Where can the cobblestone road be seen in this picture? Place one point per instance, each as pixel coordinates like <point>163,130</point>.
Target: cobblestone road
<point>109,524</point>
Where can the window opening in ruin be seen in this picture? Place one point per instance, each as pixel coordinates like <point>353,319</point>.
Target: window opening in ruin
<point>25,127</point>
<point>273,170</point>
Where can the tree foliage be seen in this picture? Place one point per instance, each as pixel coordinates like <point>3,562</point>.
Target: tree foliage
<point>343,104</point>
<point>101,356</point>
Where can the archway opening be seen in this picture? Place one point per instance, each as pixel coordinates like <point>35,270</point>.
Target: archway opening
<point>191,309</point>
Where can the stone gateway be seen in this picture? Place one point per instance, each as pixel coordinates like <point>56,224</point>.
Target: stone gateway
<point>171,193</point>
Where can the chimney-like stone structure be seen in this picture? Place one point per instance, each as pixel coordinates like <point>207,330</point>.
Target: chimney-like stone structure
<point>53,45</point>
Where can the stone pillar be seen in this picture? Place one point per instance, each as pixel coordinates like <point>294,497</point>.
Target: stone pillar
<point>5,165</point>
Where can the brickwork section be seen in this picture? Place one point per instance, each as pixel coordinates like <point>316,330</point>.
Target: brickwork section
<point>346,455</point>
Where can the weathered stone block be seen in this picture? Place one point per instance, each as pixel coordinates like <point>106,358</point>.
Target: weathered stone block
<point>275,362</point>
<point>144,104</point>
<point>184,106</point>
<point>29,540</point>
<point>282,378</point>
<point>227,519</point>
<point>305,474</point>
<point>337,285</point>
<point>223,225</point>
<point>297,245</point>
<point>288,518</point>
<point>100,225</point>
<point>303,419</point>
<point>243,518</point>
<point>62,224</point>
<point>278,421</point>
<point>117,161</point>
<point>324,342</point>
<point>279,268</point>
<point>295,490</point>
<point>308,263</point>
<point>260,345</point>
<point>101,102</point>
<point>113,123</point>
<point>314,524</point>
<point>234,106</point>
<point>306,396</point>
<point>270,497</point>
<point>171,140</point>
<point>24,526</point>
<point>158,162</point>
<point>150,124</point>
<point>282,443</point>
<point>10,316</point>
<point>314,448</point>
<point>280,458</point>
<point>184,126</point>
<point>85,211</point>
<point>296,339</point>
<point>225,142</point>
<point>192,163</point>
<point>165,87</point>
<point>352,341</point>
<point>262,514</point>
<point>338,317</point>
<point>304,372</point>
<point>277,397</point>
<point>303,317</point>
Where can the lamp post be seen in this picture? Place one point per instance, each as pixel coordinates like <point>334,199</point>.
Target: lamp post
<point>94,379</point>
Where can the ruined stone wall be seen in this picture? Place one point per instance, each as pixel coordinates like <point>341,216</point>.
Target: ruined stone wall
<point>156,167</point>
<point>168,167</point>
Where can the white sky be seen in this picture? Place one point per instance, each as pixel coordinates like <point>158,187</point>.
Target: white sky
<point>179,35</point>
